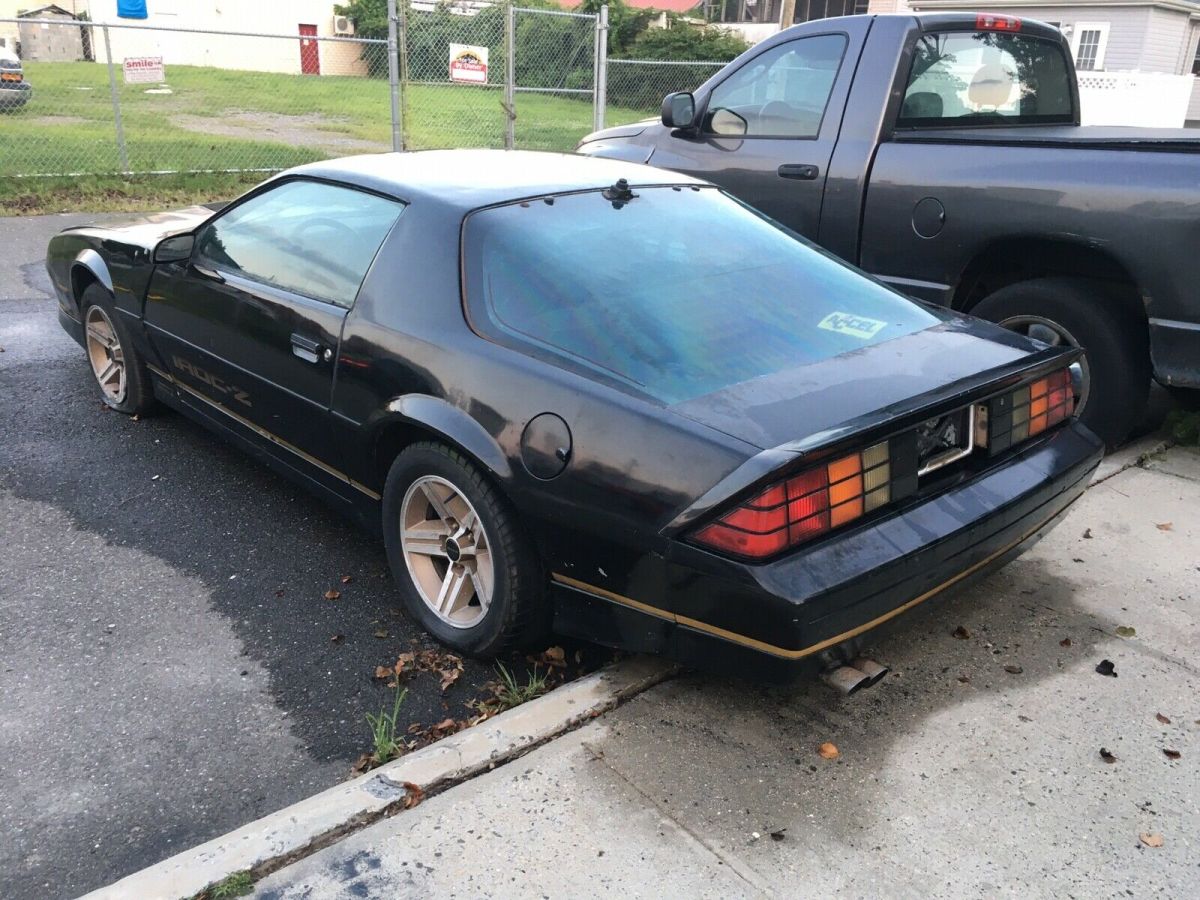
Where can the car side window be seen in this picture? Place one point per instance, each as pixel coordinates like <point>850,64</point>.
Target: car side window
<point>308,237</point>
<point>783,93</point>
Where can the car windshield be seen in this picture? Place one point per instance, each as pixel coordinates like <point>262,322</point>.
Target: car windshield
<point>677,292</point>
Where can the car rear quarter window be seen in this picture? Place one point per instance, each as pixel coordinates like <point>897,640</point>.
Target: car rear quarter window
<point>979,78</point>
<point>308,237</point>
<point>675,293</point>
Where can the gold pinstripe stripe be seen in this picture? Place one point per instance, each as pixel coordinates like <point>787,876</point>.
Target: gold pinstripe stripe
<point>783,652</point>
<point>263,433</point>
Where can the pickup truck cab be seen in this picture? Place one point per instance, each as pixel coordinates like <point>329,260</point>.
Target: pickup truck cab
<point>943,154</point>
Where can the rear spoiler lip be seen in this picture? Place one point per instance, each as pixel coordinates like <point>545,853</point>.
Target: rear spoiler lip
<point>866,430</point>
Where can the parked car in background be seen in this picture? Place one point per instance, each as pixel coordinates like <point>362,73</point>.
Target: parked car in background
<point>590,395</point>
<point>14,89</point>
<point>943,154</point>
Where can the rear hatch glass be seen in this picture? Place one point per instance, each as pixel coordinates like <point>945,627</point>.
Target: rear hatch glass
<point>675,293</point>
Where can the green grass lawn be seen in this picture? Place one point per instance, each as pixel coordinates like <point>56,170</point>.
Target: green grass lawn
<point>220,119</point>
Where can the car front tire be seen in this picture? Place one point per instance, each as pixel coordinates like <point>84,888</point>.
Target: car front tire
<point>117,367</point>
<point>465,570</point>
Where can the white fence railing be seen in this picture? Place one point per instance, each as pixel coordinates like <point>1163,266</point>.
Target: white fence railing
<point>1143,99</point>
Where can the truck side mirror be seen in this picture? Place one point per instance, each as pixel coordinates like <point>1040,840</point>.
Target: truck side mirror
<point>679,110</point>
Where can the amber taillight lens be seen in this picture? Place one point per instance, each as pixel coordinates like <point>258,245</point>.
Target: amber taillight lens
<point>1030,409</point>
<point>803,506</point>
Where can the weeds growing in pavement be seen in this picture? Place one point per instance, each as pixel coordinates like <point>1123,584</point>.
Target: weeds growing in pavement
<point>512,692</point>
<point>383,729</point>
<point>239,884</point>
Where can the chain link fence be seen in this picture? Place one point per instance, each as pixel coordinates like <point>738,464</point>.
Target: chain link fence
<point>121,98</point>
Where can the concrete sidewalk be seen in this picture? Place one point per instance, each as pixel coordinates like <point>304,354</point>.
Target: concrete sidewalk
<point>974,770</point>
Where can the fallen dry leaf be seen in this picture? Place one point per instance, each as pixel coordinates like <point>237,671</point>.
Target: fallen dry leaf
<point>1087,534</point>
<point>331,594</point>
<point>961,633</point>
<point>383,672</point>
<point>363,763</point>
<point>381,632</point>
<point>1126,631</point>
<point>1065,642</point>
<point>1163,526</point>
<point>1106,756</point>
<point>337,638</point>
<point>778,834</point>
<point>1106,667</point>
<point>1151,840</point>
<point>829,751</point>
<point>1171,754</point>
<point>346,579</point>
<point>1162,718</point>
<point>413,794</point>
<point>449,676</point>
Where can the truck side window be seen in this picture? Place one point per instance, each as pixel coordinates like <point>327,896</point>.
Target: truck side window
<point>962,79</point>
<point>782,93</point>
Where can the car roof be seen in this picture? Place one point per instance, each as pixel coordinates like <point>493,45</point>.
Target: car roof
<point>469,179</point>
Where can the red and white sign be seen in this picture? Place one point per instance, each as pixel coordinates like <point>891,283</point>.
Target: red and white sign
<point>144,70</point>
<point>468,63</point>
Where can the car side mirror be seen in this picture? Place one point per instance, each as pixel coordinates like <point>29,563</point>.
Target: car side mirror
<point>175,249</point>
<point>679,110</point>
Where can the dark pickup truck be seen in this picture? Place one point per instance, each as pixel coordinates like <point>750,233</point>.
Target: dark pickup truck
<point>943,154</point>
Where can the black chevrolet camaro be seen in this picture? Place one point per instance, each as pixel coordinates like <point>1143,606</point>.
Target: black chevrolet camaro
<point>589,396</point>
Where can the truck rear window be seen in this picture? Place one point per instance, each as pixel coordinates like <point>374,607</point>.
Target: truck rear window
<point>974,78</point>
<point>676,292</point>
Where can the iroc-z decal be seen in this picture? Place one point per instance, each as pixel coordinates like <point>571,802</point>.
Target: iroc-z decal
<point>214,382</point>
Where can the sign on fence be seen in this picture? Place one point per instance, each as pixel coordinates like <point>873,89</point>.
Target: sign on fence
<point>144,70</point>
<point>468,63</point>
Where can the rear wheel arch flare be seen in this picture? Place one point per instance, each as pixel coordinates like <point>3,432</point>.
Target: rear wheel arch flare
<point>419,418</point>
<point>1011,260</point>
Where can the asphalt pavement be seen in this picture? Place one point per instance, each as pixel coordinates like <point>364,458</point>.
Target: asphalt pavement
<point>171,668</point>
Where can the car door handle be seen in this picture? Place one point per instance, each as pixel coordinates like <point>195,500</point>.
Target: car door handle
<point>799,171</point>
<point>310,350</point>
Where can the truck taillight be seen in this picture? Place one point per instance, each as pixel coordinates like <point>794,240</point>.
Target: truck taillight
<point>988,22</point>
<point>804,506</point>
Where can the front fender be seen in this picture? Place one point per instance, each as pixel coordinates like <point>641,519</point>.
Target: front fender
<point>455,425</point>
<point>93,262</point>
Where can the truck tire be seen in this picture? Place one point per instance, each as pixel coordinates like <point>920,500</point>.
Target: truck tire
<point>1115,375</point>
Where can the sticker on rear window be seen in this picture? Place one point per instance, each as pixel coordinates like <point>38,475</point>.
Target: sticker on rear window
<point>855,326</point>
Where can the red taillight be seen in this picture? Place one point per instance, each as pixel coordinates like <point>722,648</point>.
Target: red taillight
<point>988,22</point>
<point>804,506</point>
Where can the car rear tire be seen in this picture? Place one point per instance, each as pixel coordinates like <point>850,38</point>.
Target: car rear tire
<point>465,569</point>
<point>1087,314</point>
<point>117,367</point>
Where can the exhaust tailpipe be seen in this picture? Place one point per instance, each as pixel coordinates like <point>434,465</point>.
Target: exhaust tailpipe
<point>846,679</point>
<point>874,671</point>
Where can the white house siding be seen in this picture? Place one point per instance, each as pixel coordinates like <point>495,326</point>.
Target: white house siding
<point>260,54</point>
<point>1166,41</point>
<point>1193,113</point>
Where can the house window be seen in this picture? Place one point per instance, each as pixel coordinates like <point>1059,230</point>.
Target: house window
<point>1196,61</point>
<point>1091,39</point>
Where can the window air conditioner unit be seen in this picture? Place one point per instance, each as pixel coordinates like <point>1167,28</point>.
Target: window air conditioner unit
<point>343,25</point>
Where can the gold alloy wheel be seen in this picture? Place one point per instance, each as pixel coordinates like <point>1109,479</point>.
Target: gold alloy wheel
<point>106,356</point>
<point>447,551</point>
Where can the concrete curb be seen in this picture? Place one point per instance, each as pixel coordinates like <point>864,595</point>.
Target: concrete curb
<point>283,837</point>
<point>1132,454</point>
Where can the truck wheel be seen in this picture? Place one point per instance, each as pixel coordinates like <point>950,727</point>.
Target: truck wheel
<point>466,571</point>
<point>117,366</point>
<point>1112,382</point>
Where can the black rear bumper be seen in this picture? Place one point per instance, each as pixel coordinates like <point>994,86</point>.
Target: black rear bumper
<point>785,618</point>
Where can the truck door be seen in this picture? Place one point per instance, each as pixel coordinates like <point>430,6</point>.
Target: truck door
<point>767,131</point>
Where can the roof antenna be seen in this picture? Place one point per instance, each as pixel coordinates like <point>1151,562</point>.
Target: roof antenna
<point>619,193</point>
